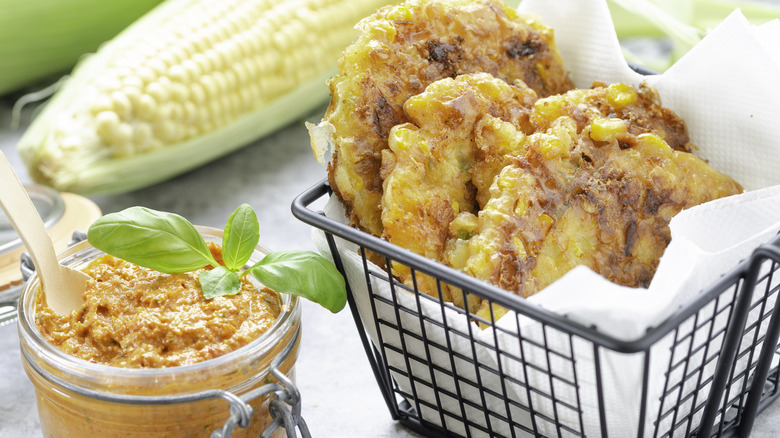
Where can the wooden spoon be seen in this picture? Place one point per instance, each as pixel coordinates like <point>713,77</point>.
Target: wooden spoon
<point>62,286</point>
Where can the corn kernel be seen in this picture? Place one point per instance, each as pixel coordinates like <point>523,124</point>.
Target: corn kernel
<point>133,94</point>
<point>577,249</point>
<point>177,111</point>
<point>146,108</point>
<point>521,206</point>
<point>203,117</point>
<point>220,82</point>
<point>101,103</point>
<point>254,94</point>
<point>145,74</point>
<point>399,13</point>
<point>548,109</point>
<point>105,123</point>
<point>459,254</point>
<point>175,54</point>
<point>607,129</point>
<point>270,62</point>
<point>203,62</point>
<point>164,110</point>
<point>216,108</point>
<point>122,105</point>
<point>240,72</point>
<point>519,246</point>
<point>158,92</point>
<point>157,65</point>
<point>179,92</point>
<point>197,92</point>
<point>142,135</point>
<point>132,81</point>
<point>215,60</point>
<point>621,95</point>
<point>209,86</point>
<point>190,115</point>
<point>122,134</point>
<point>547,222</point>
<point>165,131</point>
<point>108,83</point>
<point>193,69</point>
<point>231,80</point>
<point>650,140</point>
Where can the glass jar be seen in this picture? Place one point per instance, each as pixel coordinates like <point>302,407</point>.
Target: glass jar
<point>77,398</point>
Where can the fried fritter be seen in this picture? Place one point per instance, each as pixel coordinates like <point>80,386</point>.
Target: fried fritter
<point>427,171</point>
<point>517,191</point>
<point>592,189</point>
<point>401,50</point>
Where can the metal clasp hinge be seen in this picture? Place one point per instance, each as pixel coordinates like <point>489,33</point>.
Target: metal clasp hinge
<point>284,407</point>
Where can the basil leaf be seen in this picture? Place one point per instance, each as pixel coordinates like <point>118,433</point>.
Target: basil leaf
<point>242,232</point>
<point>303,273</point>
<point>219,281</point>
<point>162,241</point>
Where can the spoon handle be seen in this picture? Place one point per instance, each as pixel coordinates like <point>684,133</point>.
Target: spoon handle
<point>21,212</point>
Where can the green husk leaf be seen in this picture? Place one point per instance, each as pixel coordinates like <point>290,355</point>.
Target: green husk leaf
<point>42,38</point>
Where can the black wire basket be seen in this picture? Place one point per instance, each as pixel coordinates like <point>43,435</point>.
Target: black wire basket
<point>705,371</point>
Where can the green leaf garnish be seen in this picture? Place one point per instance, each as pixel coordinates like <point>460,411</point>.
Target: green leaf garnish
<point>304,273</point>
<point>242,232</point>
<point>219,281</point>
<point>169,243</point>
<point>162,241</point>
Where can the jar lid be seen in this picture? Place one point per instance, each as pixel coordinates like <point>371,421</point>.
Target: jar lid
<point>62,214</point>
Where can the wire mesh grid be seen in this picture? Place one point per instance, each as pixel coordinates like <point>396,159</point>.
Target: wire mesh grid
<point>524,372</point>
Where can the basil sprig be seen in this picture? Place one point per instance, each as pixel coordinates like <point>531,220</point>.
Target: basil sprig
<point>169,243</point>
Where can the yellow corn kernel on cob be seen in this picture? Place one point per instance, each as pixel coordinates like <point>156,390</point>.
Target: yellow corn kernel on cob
<point>188,82</point>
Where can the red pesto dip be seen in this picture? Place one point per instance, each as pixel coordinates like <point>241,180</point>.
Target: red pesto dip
<point>135,317</point>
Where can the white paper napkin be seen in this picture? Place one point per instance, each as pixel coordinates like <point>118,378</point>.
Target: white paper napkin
<point>727,89</point>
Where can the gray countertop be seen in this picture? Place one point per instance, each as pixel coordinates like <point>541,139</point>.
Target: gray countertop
<point>339,393</point>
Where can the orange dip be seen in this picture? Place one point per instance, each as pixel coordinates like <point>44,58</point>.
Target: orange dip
<point>135,317</point>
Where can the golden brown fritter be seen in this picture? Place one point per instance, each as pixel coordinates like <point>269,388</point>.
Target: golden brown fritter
<point>427,171</point>
<point>402,49</point>
<point>592,189</point>
<point>517,191</point>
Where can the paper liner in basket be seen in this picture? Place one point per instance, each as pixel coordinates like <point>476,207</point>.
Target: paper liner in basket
<point>730,106</point>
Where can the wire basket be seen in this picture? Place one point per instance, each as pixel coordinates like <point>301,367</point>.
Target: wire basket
<point>705,371</point>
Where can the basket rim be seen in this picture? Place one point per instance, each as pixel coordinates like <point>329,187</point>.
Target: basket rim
<point>506,298</point>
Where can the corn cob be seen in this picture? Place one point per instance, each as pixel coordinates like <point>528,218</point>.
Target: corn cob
<point>188,82</point>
